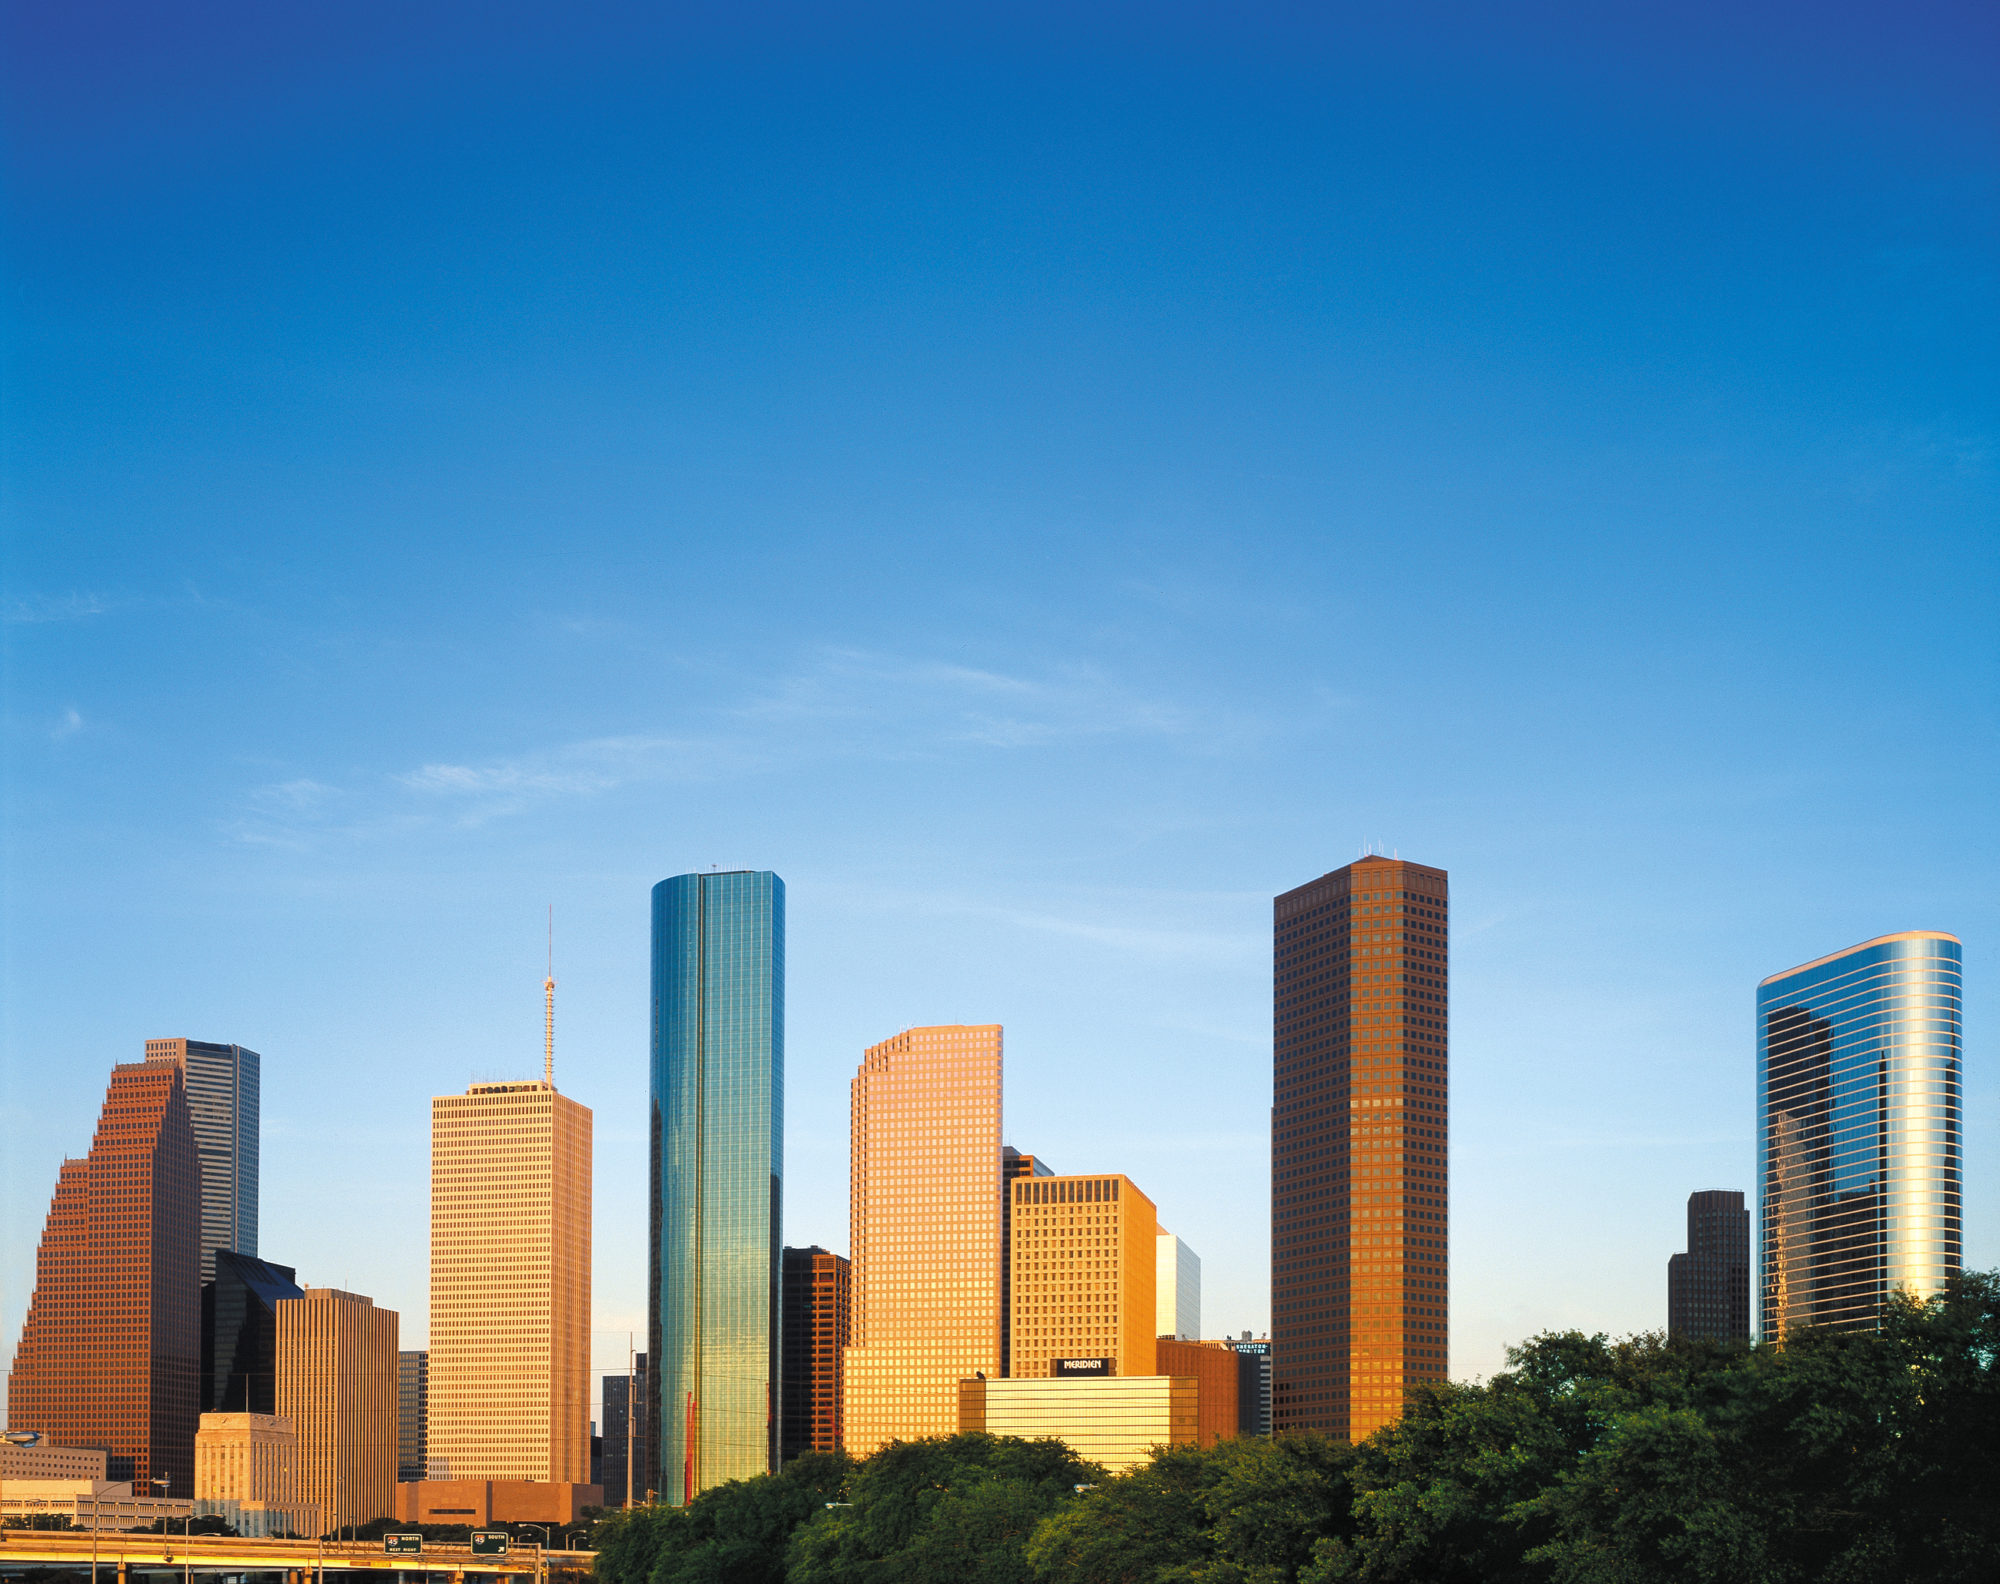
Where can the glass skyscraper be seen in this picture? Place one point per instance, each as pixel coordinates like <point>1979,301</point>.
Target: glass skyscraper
<point>718,1128</point>
<point>1859,1124</point>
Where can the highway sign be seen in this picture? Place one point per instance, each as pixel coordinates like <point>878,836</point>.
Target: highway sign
<point>403,1545</point>
<point>489,1542</point>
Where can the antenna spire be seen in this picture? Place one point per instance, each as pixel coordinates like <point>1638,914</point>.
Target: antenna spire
<point>549,1008</point>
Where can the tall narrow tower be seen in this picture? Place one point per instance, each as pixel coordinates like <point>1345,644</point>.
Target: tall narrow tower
<point>1860,1118</point>
<point>1358,1133</point>
<point>224,1094</point>
<point>110,1351</point>
<point>923,1230</point>
<point>718,1095</point>
<point>509,1369</point>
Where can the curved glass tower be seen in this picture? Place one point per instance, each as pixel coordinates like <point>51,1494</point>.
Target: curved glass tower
<point>1858,1131</point>
<point>718,1128</point>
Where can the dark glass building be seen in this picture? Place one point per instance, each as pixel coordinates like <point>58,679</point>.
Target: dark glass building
<point>110,1351</point>
<point>413,1407</point>
<point>1358,1133</point>
<point>1708,1287</point>
<point>224,1095</point>
<point>816,1338</point>
<point>1859,1131</point>
<point>239,1333</point>
<point>625,1429</point>
<point>718,1128</point>
<point>1253,1385</point>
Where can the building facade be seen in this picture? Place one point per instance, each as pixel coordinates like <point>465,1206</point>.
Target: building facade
<point>1359,1127</point>
<point>1115,1420</point>
<point>625,1398</point>
<point>337,1388</point>
<point>413,1406</point>
<point>1085,1255</point>
<point>246,1471</point>
<point>1176,1289</point>
<point>110,1349</point>
<point>817,1303</point>
<point>1216,1369</point>
<point>1253,1384</point>
<point>224,1094</point>
<point>239,1333</point>
<point>1708,1286</point>
<point>508,1378</point>
<point>1013,1164</point>
<point>923,1231</point>
<point>717,1206</point>
<point>1859,1131</point>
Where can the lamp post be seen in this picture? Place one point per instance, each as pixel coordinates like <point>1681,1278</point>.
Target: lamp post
<point>542,1556</point>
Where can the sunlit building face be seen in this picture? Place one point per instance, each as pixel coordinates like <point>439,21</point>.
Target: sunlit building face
<point>1859,1169</point>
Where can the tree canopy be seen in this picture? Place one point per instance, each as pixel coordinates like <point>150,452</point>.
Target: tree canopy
<point>1839,1458</point>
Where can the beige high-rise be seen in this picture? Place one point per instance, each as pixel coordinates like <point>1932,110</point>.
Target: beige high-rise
<point>510,1285</point>
<point>923,1231</point>
<point>337,1386</point>
<point>1085,1265</point>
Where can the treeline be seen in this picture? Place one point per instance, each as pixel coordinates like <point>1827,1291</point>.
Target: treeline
<point>1839,1458</point>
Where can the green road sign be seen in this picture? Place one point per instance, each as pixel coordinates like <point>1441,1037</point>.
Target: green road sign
<point>403,1545</point>
<point>489,1542</point>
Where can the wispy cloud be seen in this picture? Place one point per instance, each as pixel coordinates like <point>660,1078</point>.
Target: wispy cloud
<point>69,725</point>
<point>844,704</point>
<point>39,608</point>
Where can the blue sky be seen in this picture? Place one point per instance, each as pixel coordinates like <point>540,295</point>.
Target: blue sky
<point>1042,482</point>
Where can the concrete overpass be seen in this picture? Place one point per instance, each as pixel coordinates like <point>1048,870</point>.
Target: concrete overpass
<point>118,1558</point>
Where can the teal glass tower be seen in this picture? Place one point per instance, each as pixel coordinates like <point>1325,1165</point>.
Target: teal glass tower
<point>718,1129</point>
<point>1859,1127</point>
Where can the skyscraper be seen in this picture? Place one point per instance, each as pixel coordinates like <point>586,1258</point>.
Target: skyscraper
<point>1859,1125</point>
<point>1177,1289</point>
<point>337,1386</point>
<point>224,1088</point>
<point>413,1402</point>
<point>817,1297</point>
<point>509,1373</point>
<point>1358,1134</point>
<point>923,1230</point>
<point>1708,1287</point>
<point>718,1125</point>
<point>239,1333</point>
<point>1085,1258</point>
<point>110,1350</point>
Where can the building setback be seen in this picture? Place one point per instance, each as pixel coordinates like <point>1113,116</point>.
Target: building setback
<point>224,1093</point>
<point>817,1298</point>
<point>1085,1255</point>
<point>717,1207</point>
<point>413,1402</point>
<point>1859,1130</point>
<point>1708,1287</point>
<point>508,1379</point>
<point>337,1386</point>
<point>1358,1135</point>
<point>239,1333</point>
<point>923,1231</point>
<point>110,1350</point>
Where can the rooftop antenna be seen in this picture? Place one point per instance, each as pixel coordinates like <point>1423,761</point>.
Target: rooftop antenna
<point>549,1008</point>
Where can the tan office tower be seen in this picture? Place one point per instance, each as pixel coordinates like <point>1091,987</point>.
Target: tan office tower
<point>1358,1135</point>
<point>1085,1266</point>
<point>923,1231</point>
<point>337,1385</point>
<point>510,1285</point>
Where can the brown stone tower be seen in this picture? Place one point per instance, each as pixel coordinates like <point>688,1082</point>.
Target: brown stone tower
<point>1358,1133</point>
<point>110,1352</point>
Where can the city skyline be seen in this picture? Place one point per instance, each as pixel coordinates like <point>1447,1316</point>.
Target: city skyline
<point>1044,484</point>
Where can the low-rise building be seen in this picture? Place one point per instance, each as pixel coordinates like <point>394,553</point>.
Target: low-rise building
<point>246,1472</point>
<point>1115,1420</point>
<point>87,1503</point>
<point>44,1462</point>
<point>479,1503</point>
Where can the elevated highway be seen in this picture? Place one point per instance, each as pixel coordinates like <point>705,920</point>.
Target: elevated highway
<point>117,1558</point>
